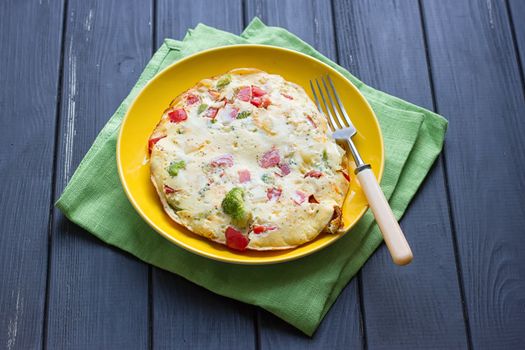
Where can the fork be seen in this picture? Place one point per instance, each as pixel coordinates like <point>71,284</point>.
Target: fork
<point>343,130</point>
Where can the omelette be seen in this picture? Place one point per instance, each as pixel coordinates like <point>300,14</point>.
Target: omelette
<point>245,159</point>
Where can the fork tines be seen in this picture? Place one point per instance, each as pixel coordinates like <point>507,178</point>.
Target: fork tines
<point>337,116</point>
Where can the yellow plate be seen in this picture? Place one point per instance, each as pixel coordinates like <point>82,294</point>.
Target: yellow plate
<point>145,112</point>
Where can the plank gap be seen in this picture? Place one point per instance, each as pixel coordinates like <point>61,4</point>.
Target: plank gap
<point>361,304</point>
<point>153,28</point>
<point>150,305</point>
<point>442,159</point>
<point>334,30</point>
<point>56,149</point>
<point>362,318</point>
<point>244,13</point>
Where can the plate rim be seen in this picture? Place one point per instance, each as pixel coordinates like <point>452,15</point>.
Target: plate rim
<point>255,261</point>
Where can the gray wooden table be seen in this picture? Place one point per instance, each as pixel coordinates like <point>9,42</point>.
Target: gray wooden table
<point>66,65</point>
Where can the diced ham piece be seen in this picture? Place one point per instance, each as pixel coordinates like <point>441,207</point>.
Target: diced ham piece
<point>298,197</point>
<point>192,99</point>
<point>177,115</point>
<point>273,193</point>
<point>168,190</point>
<point>226,161</point>
<point>270,159</point>
<point>244,176</point>
<point>260,229</point>
<point>153,141</point>
<point>314,173</point>
<point>244,94</point>
<point>235,239</point>
<point>285,168</point>
<point>312,199</point>
<point>211,112</point>
<point>233,112</point>
<point>257,91</point>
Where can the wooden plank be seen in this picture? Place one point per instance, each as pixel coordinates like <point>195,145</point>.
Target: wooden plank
<point>477,86</point>
<point>30,55</point>
<point>186,315</point>
<point>382,42</point>
<point>341,327</point>
<point>310,20</point>
<point>175,18</point>
<point>98,296</point>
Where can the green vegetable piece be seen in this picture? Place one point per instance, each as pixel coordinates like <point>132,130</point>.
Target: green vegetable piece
<point>325,156</point>
<point>174,167</point>
<point>225,80</point>
<point>233,205</point>
<point>243,115</point>
<point>174,204</point>
<point>202,108</point>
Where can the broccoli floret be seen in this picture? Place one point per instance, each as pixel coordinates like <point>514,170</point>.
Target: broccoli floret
<point>233,205</point>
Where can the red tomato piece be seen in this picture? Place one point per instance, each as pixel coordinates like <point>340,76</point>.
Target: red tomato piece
<point>263,101</point>
<point>244,94</point>
<point>177,115</point>
<point>257,91</point>
<point>256,101</point>
<point>152,142</point>
<point>260,228</point>
<point>226,160</point>
<point>235,239</point>
<point>192,99</point>
<point>168,190</point>
<point>244,176</point>
<point>273,193</point>
<point>314,173</point>
<point>270,158</point>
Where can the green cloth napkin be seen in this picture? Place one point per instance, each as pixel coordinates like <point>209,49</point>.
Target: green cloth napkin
<point>302,291</point>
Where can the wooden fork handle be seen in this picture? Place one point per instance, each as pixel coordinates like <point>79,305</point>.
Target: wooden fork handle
<point>394,237</point>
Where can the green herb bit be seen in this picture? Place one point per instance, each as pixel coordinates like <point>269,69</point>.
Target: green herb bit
<point>174,167</point>
<point>243,115</point>
<point>225,80</point>
<point>174,204</point>
<point>202,108</point>
<point>325,156</point>
<point>267,178</point>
